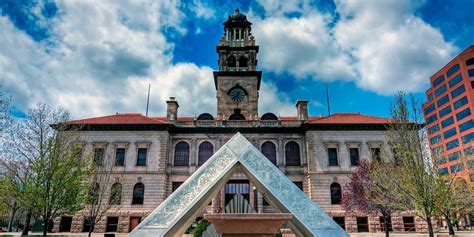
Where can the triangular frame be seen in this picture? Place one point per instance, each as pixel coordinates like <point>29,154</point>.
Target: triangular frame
<point>174,215</point>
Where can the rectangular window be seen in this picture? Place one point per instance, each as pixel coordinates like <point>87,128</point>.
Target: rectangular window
<point>429,109</point>
<point>431,119</point>
<point>470,72</point>
<point>362,224</point>
<point>435,140</point>
<point>445,111</point>
<point>443,171</point>
<point>354,153</point>
<point>455,80</point>
<point>468,138</point>
<point>332,156</point>
<point>456,168</point>
<point>382,224</point>
<point>340,221</point>
<point>449,133</point>
<point>440,90</point>
<point>438,81</point>
<point>141,156</point>
<point>175,185</point>
<point>466,126</point>
<point>443,100</point>
<point>469,151</point>
<point>441,160</point>
<point>299,185</point>
<point>461,115</point>
<point>437,150</point>
<point>98,156</point>
<point>119,156</point>
<point>375,153</point>
<point>458,91</point>
<point>454,156</point>
<point>430,97</point>
<point>461,102</point>
<point>112,224</point>
<point>433,129</point>
<point>472,84</point>
<point>452,144</point>
<point>87,225</point>
<point>452,70</point>
<point>447,122</point>
<point>470,164</point>
<point>409,223</point>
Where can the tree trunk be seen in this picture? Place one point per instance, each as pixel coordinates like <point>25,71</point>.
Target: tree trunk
<point>450,224</point>
<point>91,229</point>
<point>385,223</point>
<point>45,227</point>
<point>12,217</point>
<point>430,227</point>
<point>27,224</point>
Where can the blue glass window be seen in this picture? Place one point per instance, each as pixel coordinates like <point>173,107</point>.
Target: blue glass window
<point>455,80</point>
<point>468,138</point>
<point>445,111</point>
<point>435,140</point>
<point>447,122</point>
<point>454,156</point>
<point>452,144</point>
<point>433,129</point>
<point>452,70</point>
<point>430,97</point>
<point>470,72</point>
<point>141,156</point>
<point>459,103</point>
<point>443,171</point>
<point>438,81</point>
<point>469,151</point>
<point>449,133</point>
<point>466,126</point>
<point>470,62</point>
<point>441,160</point>
<point>429,109</point>
<point>437,150</point>
<point>440,90</point>
<point>456,92</point>
<point>463,114</point>
<point>443,100</point>
<point>431,119</point>
<point>457,168</point>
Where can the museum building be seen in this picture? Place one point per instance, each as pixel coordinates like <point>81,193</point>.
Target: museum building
<point>154,155</point>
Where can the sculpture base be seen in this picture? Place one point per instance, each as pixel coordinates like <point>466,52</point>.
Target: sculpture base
<point>248,224</point>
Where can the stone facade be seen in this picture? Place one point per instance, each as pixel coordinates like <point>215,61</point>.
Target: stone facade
<point>300,144</point>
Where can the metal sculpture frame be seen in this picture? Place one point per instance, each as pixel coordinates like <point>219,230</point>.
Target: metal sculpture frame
<point>174,215</point>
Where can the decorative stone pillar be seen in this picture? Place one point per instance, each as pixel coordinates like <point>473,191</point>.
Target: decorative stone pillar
<point>193,153</point>
<point>280,153</point>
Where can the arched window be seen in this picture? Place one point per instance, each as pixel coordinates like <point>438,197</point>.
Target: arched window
<point>138,193</point>
<point>181,154</point>
<point>243,61</point>
<point>205,116</point>
<point>269,116</point>
<point>237,117</point>
<point>269,150</point>
<point>206,149</point>
<point>231,62</point>
<point>336,193</point>
<point>292,154</point>
<point>116,194</point>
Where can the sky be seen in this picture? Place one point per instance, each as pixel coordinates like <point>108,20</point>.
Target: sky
<point>97,58</point>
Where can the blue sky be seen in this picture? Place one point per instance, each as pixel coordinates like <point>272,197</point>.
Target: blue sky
<point>98,58</point>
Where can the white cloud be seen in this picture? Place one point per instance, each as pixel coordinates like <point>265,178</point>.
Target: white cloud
<point>381,45</point>
<point>274,101</point>
<point>394,49</point>
<point>101,57</point>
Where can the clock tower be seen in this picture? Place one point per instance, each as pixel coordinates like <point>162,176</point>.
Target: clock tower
<point>237,82</point>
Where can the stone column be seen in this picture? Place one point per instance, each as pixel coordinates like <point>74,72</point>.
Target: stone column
<point>193,151</point>
<point>280,153</point>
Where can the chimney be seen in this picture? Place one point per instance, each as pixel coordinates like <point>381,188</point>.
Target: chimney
<point>302,109</point>
<point>172,109</point>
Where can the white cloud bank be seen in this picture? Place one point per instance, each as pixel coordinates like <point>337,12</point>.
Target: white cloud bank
<point>381,45</point>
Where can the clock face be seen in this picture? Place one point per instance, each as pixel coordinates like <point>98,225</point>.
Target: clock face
<point>237,95</point>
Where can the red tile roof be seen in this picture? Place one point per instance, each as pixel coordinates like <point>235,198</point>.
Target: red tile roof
<point>348,118</point>
<point>126,118</point>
